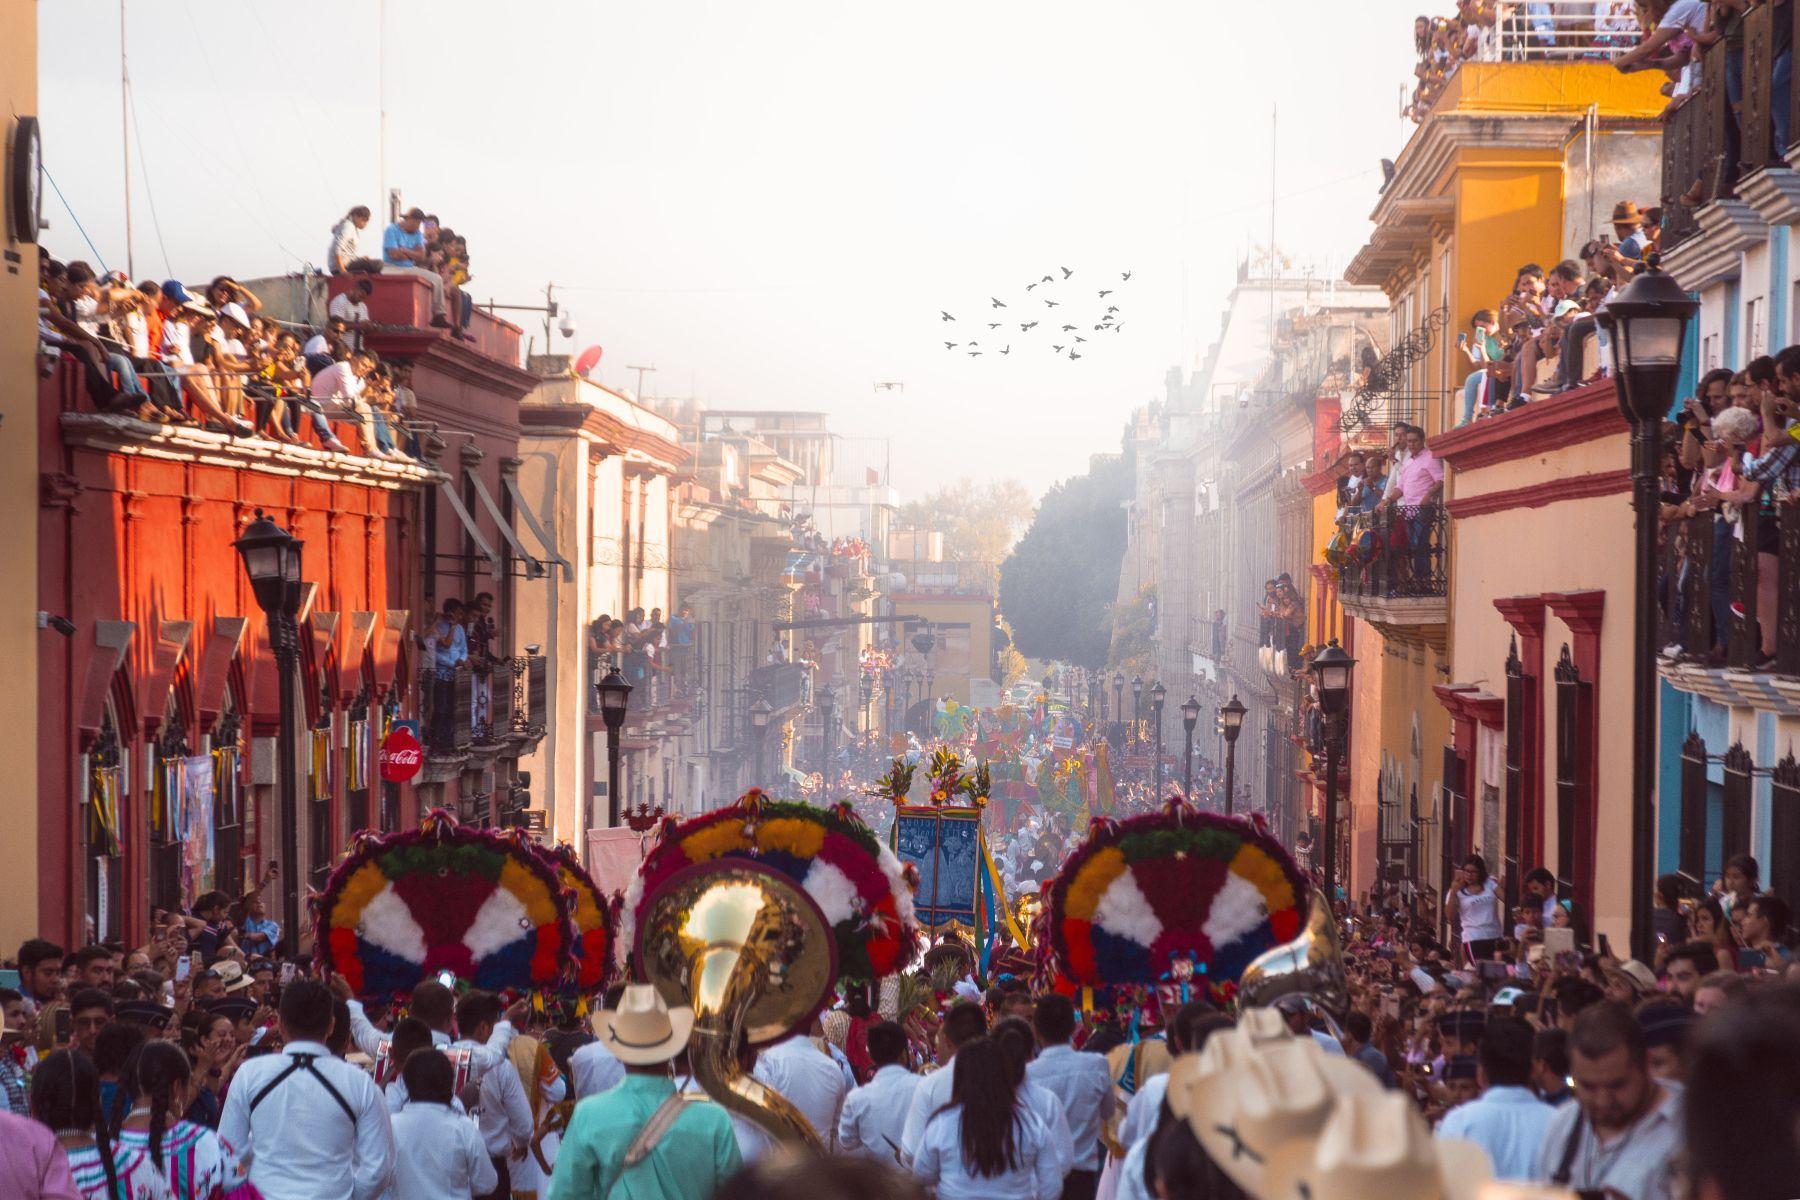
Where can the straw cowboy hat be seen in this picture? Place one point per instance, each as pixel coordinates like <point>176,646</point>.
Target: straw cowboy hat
<point>1225,1051</point>
<point>1375,1147</point>
<point>1282,1091</point>
<point>233,973</point>
<point>1626,212</point>
<point>643,1030</point>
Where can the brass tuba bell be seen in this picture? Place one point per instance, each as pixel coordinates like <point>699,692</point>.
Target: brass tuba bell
<point>1311,966</point>
<point>751,953</point>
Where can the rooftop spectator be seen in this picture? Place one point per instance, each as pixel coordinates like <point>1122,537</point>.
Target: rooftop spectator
<point>346,253</point>
<point>403,252</point>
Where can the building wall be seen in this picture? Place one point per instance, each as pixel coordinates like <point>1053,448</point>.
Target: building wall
<point>1368,682</point>
<point>20,638</point>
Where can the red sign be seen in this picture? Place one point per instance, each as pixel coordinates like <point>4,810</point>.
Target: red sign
<point>401,755</point>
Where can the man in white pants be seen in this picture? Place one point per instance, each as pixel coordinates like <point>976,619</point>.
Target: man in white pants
<point>403,253</point>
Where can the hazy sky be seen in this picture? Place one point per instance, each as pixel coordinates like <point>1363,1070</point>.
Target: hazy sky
<point>769,202</point>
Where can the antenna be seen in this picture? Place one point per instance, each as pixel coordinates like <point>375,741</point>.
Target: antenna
<point>642,371</point>
<point>125,138</point>
<point>381,99</point>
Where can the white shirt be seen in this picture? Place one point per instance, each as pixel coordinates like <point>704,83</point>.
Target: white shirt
<point>1048,1108</point>
<point>482,1058</point>
<point>1508,1123</point>
<point>177,344</point>
<point>316,344</point>
<point>505,1113</point>
<point>337,382</point>
<point>939,1162</point>
<point>875,1114</point>
<point>1084,1084</point>
<point>753,1141</point>
<point>346,307</point>
<point>346,245</point>
<point>300,1144</point>
<point>1480,912</point>
<point>809,1079</point>
<point>596,1069</point>
<point>931,1093</point>
<point>439,1156</point>
<point>398,1097</point>
<point>1131,1170</point>
<point>1142,1110</point>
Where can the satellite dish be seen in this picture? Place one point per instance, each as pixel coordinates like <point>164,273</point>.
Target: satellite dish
<point>587,361</point>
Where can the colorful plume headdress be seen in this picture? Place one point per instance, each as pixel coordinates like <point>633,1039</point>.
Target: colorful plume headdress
<point>483,904</point>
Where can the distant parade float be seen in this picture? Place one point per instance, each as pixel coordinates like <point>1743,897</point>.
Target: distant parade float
<point>486,906</point>
<point>1170,897</point>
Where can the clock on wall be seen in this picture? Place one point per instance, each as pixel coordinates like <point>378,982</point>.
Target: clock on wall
<point>25,180</point>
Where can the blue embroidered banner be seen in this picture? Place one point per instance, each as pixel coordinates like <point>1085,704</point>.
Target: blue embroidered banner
<point>944,844</point>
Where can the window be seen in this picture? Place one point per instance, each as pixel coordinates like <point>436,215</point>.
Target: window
<point>1709,352</point>
<point>1756,336</point>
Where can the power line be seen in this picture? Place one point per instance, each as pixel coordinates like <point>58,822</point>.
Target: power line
<point>149,193</point>
<point>70,209</point>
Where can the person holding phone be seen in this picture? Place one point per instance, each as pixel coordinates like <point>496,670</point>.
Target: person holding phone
<point>1479,909</point>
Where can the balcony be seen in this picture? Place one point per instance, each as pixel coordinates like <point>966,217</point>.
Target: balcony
<point>1734,657</point>
<point>786,686</point>
<point>1391,568</point>
<point>479,714</point>
<point>400,306</point>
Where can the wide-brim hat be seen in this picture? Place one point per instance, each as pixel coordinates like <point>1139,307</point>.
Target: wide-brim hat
<point>1375,1147</point>
<point>1280,1092</point>
<point>643,1030</point>
<point>1641,977</point>
<point>1625,212</point>
<point>235,1008</point>
<point>231,971</point>
<point>146,1013</point>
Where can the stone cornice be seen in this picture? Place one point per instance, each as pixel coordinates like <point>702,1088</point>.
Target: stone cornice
<point>1715,252</point>
<point>1585,414</point>
<point>1774,193</point>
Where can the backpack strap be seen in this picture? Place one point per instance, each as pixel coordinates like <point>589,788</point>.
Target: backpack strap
<point>304,1062</point>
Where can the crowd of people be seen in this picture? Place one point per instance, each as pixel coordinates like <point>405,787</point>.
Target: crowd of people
<point>1495,30</point>
<point>209,357</point>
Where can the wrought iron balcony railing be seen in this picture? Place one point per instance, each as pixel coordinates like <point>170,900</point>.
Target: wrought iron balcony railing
<point>1394,553</point>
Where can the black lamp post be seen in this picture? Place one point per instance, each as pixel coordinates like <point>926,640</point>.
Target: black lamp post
<point>1331,669</point>
<point>1118,708</point>
<point>615,696</point>
<point>1137,705</point>
<point>1190,717</point>
<point>1231,721</point>
<point>1647,325</point>
<point>760,712</point>
<point>1157,695</point>
<point>272,562</point>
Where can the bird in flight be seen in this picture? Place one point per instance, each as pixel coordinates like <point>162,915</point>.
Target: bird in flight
<point>950,345</point>
<point>1112,308</point>
<point>1046,279</point>
<point>1079,338</point>
<point>998,303</point>
<point>1029,286</point>
<point>1073,355</point>
<point>974,343</point>
<point>1008,350</point>
<point>1067,328</point>
<point>1100,326</point>
<point>1028,326</point>
<point>1118,327</point>
<point>1105,293</point>
<point>993,325</point>
<point>1051,303</point>
<point>974,354</point>
<point>1125,275</point>
<point>946,315</point>
<point>1056,349</point>
<point>1066,272</point>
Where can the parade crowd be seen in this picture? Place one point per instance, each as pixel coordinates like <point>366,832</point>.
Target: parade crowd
<point>206,1065</point>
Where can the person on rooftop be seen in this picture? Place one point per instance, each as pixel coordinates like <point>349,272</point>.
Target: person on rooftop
<point>403,252</point>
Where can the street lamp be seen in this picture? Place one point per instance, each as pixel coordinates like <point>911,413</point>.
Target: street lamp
<point>1190,717</point>
<point>272,562</point>
<point>1646,324</point>
<point>1331,669</point>
<point>615,695</point>
<point>1118,708</point>
<point>1137,705</point>
<point>1231,721</point>
<point>760,712</point>
<point>1157,695</point>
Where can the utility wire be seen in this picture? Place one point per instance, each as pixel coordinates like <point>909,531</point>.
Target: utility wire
<point>149,193</point>
<point>70,209</point>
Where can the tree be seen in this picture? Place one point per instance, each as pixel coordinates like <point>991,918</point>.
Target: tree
<point>979,521</point>
<point>1057,586</point>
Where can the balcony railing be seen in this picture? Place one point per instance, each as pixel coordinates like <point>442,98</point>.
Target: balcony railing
<point>783,685</point>
<point>1692,627</point>
<point>1559,31</point>
<point>1706,147</point>
<point>1394,553</point>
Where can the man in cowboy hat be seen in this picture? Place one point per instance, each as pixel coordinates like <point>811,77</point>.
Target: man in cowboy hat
<point>1628,227</point>
<point>670,1144</point>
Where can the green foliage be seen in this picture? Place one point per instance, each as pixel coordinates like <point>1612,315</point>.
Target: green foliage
<point>1133,648</point>
<point>1060,580</point>
<point>978,521</point>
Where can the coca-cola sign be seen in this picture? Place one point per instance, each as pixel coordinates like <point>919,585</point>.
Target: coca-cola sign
<point>401,755</point>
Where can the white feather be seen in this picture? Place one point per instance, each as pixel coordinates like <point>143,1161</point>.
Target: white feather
<point>499,922</point>
<point>895,871</point>
<point>1236,910</point>
<point>832,890</point>
<point>1125,911</point>
<point>389,924</point>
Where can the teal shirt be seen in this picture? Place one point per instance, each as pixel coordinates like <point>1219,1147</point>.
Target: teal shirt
<point>696,1155</point>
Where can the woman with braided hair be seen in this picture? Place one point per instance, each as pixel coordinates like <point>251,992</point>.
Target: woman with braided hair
<point>65,1095</point>
<point>187,1161</point>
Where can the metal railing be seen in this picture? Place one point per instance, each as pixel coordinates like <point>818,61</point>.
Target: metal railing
<point>1558,31</point>
<point>1394,553</point>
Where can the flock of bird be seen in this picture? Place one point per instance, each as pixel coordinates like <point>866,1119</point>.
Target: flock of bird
<point>1057,326</point>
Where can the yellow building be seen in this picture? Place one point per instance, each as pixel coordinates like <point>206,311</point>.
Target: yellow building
<point>20,636</point>
<point>1517,162</point>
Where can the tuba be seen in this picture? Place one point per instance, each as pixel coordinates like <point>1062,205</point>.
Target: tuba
<point>751,953</point>
<point>1311,966</point>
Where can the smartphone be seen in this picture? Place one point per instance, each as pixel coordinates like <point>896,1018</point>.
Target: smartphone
<point>183,968</point>
<point>65,1022</point>
<point>1751,960</point>
<point>1605,946</point>
<point>287,973</point>
<point>1559,941</point>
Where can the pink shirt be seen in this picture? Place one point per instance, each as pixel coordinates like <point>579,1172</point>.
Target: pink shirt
<point>1418,475</point>
<point>32,1165</point>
